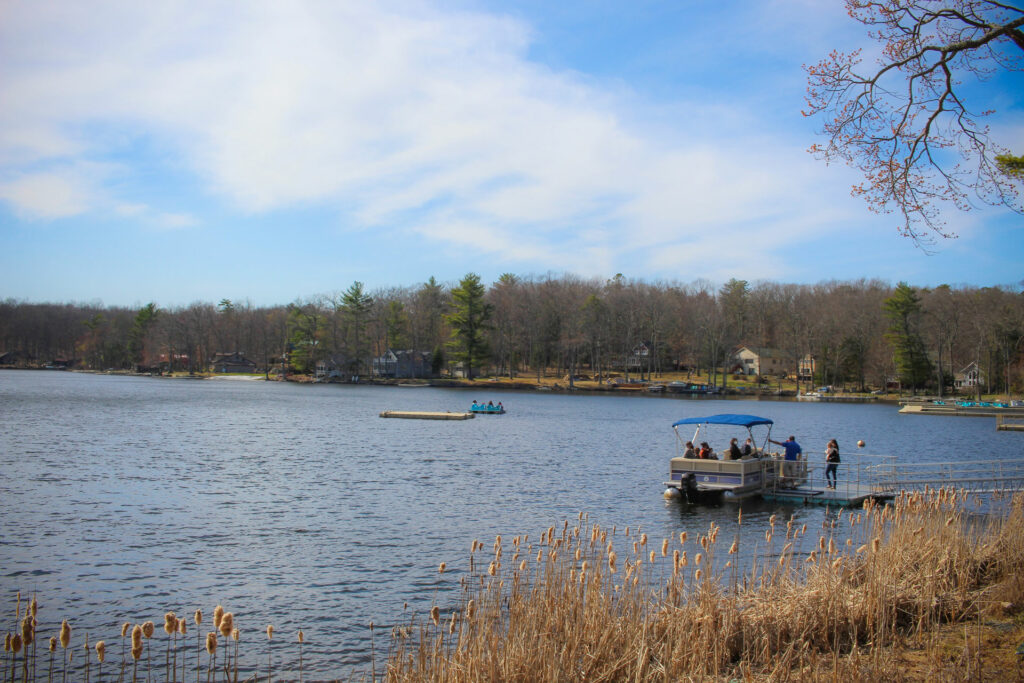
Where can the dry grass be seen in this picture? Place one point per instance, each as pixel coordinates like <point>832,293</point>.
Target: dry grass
<point>915,590</point>
<point>568,609</point>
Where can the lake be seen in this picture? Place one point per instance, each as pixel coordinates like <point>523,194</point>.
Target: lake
<point>125,497</point>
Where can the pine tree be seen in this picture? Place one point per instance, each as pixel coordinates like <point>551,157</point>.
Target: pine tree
<point>469,321</point>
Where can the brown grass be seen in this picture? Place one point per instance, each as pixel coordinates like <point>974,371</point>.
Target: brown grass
<point>826,612</point>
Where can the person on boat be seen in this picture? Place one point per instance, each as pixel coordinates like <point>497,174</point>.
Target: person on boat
<point>475,405</point>
<point>500,407</point>
<point>748,448</point>
<point>831,463</point>
<point>706,453</point>
<point>734,452</point>
<point>490,405</point>
<point>793,449</point>
<point>689,453</point>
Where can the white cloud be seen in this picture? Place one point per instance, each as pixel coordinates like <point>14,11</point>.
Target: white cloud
<point>47,195</point>
<point>406,115</point>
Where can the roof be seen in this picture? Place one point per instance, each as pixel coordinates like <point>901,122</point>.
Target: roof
<point>725,419</point>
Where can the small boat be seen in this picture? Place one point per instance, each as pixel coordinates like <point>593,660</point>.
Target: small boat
<point>705,480</point>
<point>488,409</point>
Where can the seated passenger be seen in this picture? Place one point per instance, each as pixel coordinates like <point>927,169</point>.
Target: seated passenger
<point>734,452</point>
<point>706,453</point>
<point>689,453</point>
<point>748,449</point>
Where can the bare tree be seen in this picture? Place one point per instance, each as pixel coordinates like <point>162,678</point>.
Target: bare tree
<point>903,121</point>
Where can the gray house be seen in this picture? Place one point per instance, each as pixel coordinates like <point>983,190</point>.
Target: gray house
<point>402,364</point>
<point>232,363</point>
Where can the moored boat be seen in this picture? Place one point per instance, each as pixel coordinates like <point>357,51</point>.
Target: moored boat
<point>701,479</point>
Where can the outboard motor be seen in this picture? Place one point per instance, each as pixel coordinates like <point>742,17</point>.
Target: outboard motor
<point>688,485</point>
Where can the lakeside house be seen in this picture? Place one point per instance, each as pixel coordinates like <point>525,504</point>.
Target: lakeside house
<point>805,369</point>
<point>970,377</point>
<point>335,366</point>
<point>762,361</point>
<point>231,363</point>
<point>403,364</point>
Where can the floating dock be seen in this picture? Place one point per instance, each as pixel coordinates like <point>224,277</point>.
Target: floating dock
<point>842,496</point>
<point>1014,423</point>
<point>426,415</point>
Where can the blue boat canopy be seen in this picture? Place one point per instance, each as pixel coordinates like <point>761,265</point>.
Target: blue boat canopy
<point>725,419</point>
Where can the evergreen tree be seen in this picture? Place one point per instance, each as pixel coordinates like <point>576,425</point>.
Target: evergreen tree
<point>903,309</point>
<point>469,322</point>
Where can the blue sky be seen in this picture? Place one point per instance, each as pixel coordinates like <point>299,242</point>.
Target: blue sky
<point>270,151</point>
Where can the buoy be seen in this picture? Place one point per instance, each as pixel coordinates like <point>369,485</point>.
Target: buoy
<point>672,492</point>
<point>860,444</point>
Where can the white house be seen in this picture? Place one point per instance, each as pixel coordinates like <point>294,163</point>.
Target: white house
<point>970,377</point>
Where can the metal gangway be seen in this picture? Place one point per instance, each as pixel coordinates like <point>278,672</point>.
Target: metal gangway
<point>881,477</point>
<point>972,476</point>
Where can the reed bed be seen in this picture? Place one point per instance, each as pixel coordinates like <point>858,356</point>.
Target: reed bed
<point>586,603</point>
<point>815,606</point>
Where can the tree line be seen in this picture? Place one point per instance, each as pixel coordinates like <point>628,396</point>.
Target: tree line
<point>861,334</point>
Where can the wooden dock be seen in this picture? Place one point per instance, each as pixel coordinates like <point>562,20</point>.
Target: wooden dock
<point>1009,423</point>
<point>426,415</point>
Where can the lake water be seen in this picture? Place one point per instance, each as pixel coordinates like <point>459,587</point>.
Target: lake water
<point>125,497</point>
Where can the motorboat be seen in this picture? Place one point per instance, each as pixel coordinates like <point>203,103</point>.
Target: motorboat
<point>698,479</point>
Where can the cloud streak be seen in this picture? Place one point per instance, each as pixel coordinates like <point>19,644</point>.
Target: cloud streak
<point>401,116</point>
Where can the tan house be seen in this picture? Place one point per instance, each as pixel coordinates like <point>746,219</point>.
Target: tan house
<point>762,361</point>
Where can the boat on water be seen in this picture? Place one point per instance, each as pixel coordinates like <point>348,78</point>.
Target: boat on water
<point>706,480</point>
<point>487,408</point>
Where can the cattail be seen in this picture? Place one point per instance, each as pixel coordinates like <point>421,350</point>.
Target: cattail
<point>734,547</point>
<point>539,556</point>
<point>739,517</point>
<point>137,636</point>
<point>831,546</point>
<point>33,607</point>
<point>652,556</point>
<point>270,631</point>
<point>218,612</point>
<point>578,554</point>
<point>682,538</point>
<point>435,615</point>
<point>53,643</point>
<point>199,617</point>
<point>302,637</point>
<point>65,634</point>
<point>492,570</point>
<point>7,643</point>
<point>235,634</point>
<point>27,632</point>
<point>451,624</point>
<point>697,559</point>
<point>16,643</point>
<point>611,561</point>
<point>148,629</point>
<point>875,543</point>
<point>643,539</point>
<point>101,650</point>
<point>522,566</point>
<point>227,622</point>
<point>211,642</point>
<point>441,568</point>
<point>697,574</point>
<point>664,547</point>
<point>124,628</point>
<point>683,561</point>
<point>470,609</point>
<point>137,652</point>
<point>170,623</point>
<point>181,626</point>
<point>862,548</point>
